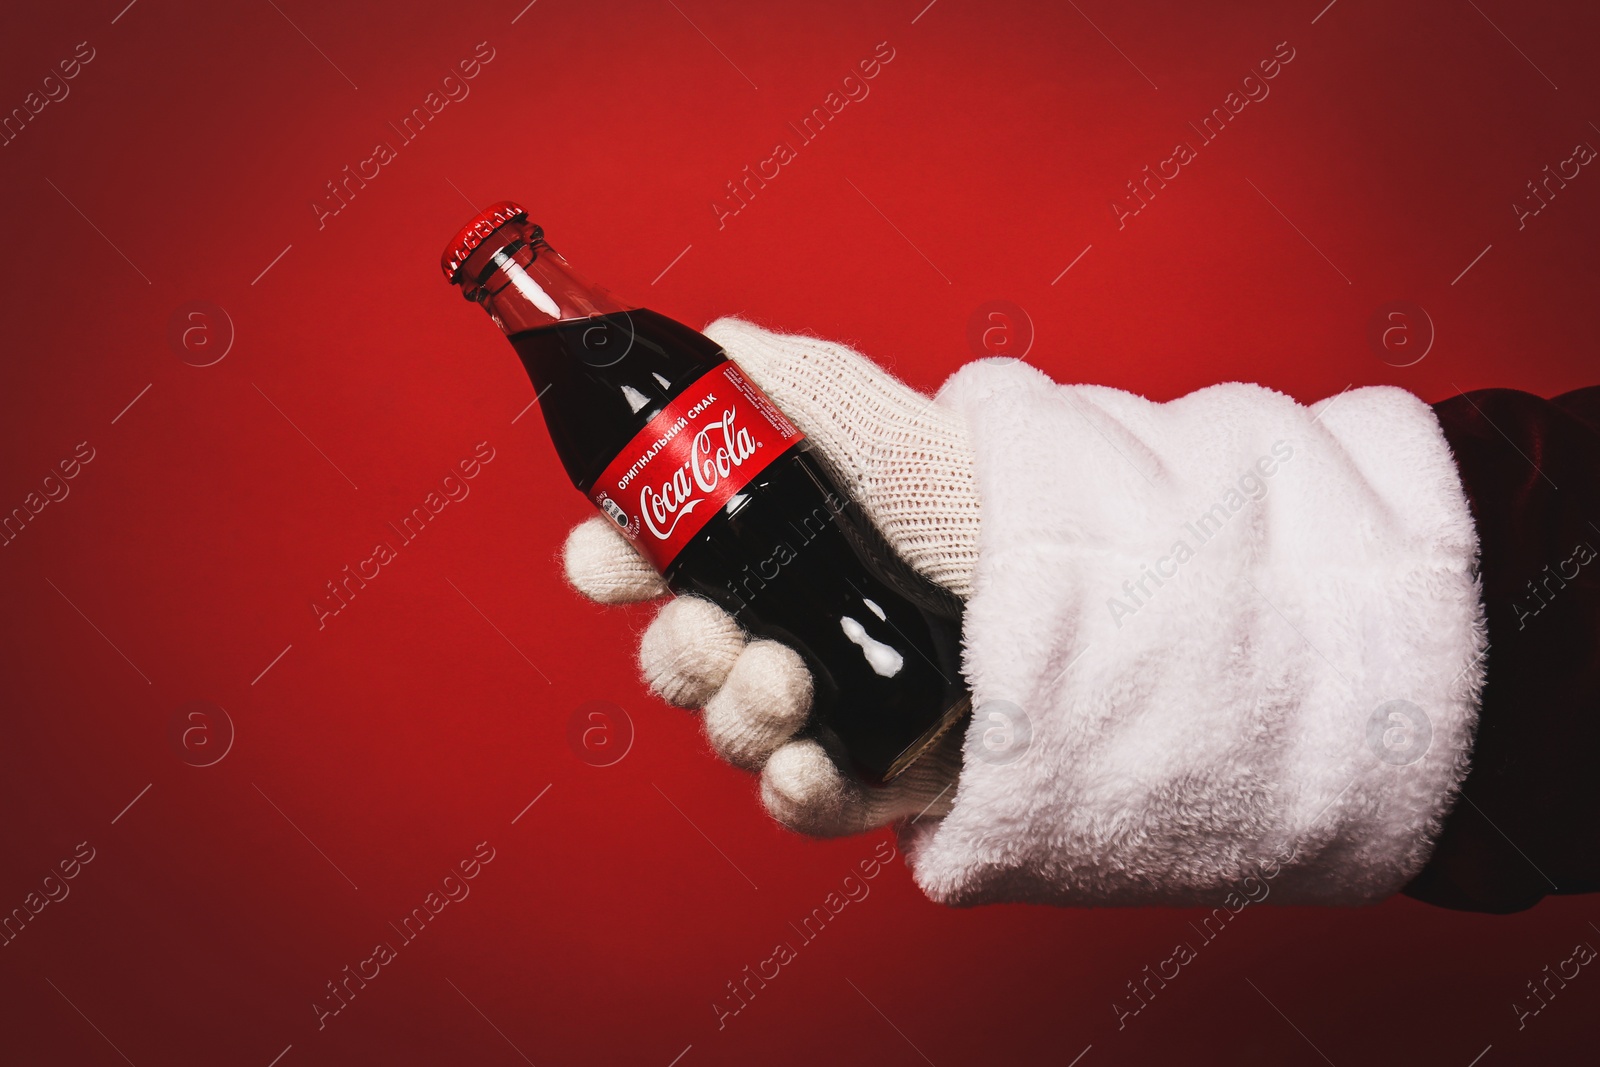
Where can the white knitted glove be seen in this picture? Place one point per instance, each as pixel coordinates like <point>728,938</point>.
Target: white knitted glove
<point>907,460</point>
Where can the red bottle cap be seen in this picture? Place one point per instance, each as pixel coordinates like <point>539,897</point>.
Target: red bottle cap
<point>475,233</point>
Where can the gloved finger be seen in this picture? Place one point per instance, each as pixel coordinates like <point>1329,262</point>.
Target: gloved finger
<point>603,566</point>
<point>688,651</point>
<point>804,791</point>
<point>762,703</point>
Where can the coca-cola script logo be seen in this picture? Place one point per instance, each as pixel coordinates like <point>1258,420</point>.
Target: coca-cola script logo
<point>719,448</point>
<point>690,460</point>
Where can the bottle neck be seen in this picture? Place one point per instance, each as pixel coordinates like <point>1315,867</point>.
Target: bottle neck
<point>524,284</point>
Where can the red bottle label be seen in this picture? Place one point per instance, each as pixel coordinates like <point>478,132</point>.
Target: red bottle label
<point>678,472</point>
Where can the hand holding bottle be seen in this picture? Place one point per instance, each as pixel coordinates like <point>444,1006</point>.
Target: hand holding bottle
<point>906,459</point>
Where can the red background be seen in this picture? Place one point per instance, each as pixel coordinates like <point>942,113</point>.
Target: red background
<point>408,729</point>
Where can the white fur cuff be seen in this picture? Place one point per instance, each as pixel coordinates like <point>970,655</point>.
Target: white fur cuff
<point>1205,635</point>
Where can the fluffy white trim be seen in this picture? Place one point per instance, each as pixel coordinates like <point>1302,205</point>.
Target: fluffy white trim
<point>1240,708</point>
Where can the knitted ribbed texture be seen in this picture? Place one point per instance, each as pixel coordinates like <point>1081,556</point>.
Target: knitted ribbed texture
<point>688,652</point>
<point>905,458</point>
<point>802,789</point>
<point>763,702</point>
<point>604,567</point>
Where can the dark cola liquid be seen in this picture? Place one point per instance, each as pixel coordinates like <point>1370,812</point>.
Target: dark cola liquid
<point>791,555</point>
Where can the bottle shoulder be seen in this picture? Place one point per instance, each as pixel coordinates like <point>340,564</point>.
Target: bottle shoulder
<point>602,380</point>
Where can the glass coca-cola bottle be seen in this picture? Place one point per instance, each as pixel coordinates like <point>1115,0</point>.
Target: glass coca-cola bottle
<point>723,495</point>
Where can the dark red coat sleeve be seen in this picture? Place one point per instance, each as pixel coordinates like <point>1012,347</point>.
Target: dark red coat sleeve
<point>1527,821</point>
